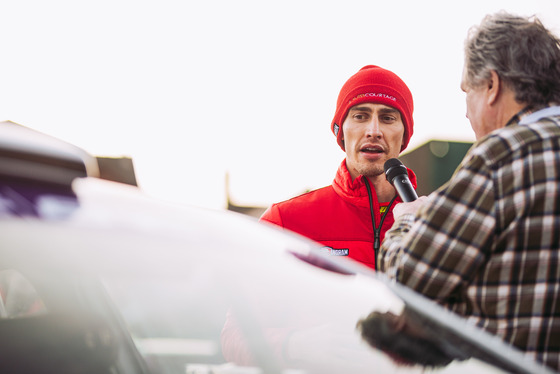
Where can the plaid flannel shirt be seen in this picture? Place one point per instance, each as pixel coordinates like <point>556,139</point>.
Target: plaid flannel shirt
<point>487,244</point>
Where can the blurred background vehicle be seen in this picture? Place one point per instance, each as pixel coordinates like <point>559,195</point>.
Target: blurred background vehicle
<point>95,277</point>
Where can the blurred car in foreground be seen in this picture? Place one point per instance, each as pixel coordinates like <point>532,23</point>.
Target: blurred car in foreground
<point>95,277</point>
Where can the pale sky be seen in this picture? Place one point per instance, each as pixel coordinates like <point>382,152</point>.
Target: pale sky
<point>192,90</point>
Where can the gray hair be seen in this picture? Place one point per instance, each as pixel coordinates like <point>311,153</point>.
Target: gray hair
<point>524,54</point>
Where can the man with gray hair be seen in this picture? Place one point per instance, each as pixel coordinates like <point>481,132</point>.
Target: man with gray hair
<point>487,244</point>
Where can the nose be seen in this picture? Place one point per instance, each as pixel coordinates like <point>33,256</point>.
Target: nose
<point>373,130</point>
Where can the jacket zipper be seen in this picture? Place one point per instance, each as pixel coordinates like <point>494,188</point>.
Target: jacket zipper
<point>376,230</point>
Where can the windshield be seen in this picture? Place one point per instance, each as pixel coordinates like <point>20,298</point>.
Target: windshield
<point>297,316</point>
<point>255,318</point>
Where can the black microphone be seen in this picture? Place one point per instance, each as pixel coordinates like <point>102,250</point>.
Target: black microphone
<point>397,175</point>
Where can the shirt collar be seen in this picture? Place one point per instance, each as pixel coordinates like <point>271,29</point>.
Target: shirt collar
<point>522,113</point>
<point>528,110</point>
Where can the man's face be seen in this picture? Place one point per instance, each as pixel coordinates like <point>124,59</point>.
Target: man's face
<point>372,134</point>
<point>476,108</point>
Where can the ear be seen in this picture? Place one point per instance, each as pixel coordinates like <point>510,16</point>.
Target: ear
<point>494,88</point>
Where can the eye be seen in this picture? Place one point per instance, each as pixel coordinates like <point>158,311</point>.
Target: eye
<point>360,116</point>
<point>386,118</point>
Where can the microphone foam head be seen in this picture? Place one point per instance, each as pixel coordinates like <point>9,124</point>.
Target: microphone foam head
<point>394,167</point>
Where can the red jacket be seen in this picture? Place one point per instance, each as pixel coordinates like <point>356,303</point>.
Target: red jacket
<point>339,216</point>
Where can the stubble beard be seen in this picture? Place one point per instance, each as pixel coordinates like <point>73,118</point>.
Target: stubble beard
<point>370,171</point>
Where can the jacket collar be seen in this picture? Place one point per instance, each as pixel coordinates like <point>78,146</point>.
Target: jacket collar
<point>355,191</point>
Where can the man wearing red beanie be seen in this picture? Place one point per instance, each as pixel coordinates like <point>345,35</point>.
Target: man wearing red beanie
<point>372,123</point>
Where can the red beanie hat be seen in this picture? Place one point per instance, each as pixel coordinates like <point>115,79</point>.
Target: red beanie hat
<point>372,84</point>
